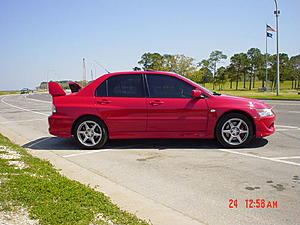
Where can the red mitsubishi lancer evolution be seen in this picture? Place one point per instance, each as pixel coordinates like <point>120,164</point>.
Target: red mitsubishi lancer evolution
<point>151,104</point>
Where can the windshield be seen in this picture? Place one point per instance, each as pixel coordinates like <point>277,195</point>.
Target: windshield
<point>208,91</point>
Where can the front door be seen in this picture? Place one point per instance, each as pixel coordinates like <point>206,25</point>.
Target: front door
<point>171,107</point>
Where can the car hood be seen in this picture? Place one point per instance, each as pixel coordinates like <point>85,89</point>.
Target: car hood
<point>241,101</point>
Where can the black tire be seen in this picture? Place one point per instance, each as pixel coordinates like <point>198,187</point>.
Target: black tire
<point>227,130</point>
<point>80,133</point>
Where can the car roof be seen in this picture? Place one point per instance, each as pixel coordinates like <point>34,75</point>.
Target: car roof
<point>141,72</point>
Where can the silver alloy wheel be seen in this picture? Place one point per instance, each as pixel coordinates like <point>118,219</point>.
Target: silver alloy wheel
<point>235,131</point>
<point>89,133</point>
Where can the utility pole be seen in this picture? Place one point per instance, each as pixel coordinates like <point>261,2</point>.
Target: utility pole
<point>277,12</point>
<point>84,73</point>
<point>92,76</point>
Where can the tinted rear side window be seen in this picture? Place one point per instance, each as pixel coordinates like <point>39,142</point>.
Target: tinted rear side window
<point>162,86</point>
<point>126,86</point>
<point>102,90</point>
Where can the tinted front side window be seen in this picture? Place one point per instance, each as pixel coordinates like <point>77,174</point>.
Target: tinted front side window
<point>125,86</point>
<point>162,86</point>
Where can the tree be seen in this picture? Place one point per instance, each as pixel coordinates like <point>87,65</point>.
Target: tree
<point>179,64</point>
<point>230,70</point>
<point>285,68</point>
<point>151,61</point>
<point>239,64</point>
<point>207,76</point>
<point>197,76</point>
<point>221,78</point>
<point>295,71</point>
<point>216,57</point>
<point>211,63</point>
<point>255,64</point>
<point>136,68</point>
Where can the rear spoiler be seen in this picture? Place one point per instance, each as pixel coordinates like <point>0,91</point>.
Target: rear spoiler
<point>55,89</point>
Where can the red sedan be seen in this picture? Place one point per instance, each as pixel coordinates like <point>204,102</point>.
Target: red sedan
<point>150,104</point>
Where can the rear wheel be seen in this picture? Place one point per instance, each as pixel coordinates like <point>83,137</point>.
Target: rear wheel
<point>90,133</point>
<point>234,130</point>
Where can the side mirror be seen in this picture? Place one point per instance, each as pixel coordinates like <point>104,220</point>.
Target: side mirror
<point>197,94</point>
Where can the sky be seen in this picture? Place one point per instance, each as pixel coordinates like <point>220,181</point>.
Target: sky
<point>47,39</point>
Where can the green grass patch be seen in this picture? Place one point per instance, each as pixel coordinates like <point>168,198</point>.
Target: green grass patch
<point>52,198</point>
<point>284,94</point>
<point>286,91</point>
<point>9,92</point>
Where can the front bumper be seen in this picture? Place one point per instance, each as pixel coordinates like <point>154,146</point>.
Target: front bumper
<point>60,126</point>
<point>265,126</point>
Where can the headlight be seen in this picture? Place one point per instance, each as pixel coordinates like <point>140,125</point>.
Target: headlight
<point>53,108</point>
<point>264,112</point>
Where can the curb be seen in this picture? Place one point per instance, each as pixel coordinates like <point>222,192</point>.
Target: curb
<point>279,99</point>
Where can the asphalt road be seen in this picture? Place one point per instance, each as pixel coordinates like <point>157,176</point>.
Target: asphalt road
<point>192,180</point>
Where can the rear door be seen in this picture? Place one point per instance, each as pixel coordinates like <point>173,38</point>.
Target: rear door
<point>121,103</point>
<point>171,106</point>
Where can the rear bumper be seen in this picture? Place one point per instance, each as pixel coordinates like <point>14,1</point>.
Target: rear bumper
<point>265,126</point>
<point>60,126</point>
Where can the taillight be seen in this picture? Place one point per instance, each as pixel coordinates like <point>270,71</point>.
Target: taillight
<point>53,108</point>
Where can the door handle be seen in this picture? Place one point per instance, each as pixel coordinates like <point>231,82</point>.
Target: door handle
<point>103,101</point>
<point>156,102</point>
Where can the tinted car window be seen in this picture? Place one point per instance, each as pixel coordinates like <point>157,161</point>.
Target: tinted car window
<point>125,86</point>
<point>102,90</point>
<point>162,86</point>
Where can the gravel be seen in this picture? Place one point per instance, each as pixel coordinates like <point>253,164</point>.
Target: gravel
<point>19,216</point>
<point>18,164</point>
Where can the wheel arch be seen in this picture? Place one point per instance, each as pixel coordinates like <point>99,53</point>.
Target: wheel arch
<point>88,115</point>
<point>240,112</point>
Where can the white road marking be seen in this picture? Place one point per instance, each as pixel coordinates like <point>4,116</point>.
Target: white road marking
<point>19,121</point>
<point>294,111</point>
<point>17,107</point>
<point>37,100</point>
<point>259,157</point>
<point>289,157</point>
<point>40,141</point>
<point>279,159</point>
<point>277,103</point>
<point>283,126</point>
<point>86,153</point>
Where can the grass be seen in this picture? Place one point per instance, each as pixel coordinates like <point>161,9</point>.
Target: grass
<point>285,91</point>
<point>52,198</point>
<point>284,94</point>
<point>9,92</point>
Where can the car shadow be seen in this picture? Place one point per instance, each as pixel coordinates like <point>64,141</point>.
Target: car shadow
<point>57,143</point>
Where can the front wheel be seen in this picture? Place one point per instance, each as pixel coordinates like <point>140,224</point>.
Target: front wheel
<point>234,130</point>
<point>90,133</point>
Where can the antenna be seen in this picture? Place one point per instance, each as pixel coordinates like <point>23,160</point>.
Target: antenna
<point>101,66</point>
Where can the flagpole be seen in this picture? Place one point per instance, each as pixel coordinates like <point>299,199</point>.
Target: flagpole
<point>277,12</point>
<point>266,60</point>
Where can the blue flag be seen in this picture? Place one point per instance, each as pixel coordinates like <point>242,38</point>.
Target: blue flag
<point>269,35</point>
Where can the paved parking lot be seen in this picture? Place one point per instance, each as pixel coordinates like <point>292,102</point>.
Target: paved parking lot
<point>195,180</point>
